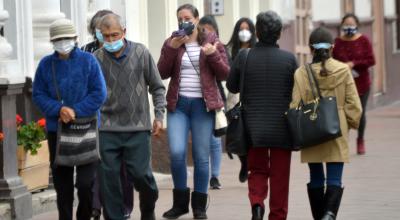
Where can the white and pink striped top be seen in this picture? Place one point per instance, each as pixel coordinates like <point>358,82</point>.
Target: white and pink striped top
<point>189,85</point>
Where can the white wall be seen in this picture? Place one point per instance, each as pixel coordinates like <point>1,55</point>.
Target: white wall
<point>228,20</point>
<point>326,10</point>
<point>389,7</point>
<point>285,8</point>
<point>363,8</point>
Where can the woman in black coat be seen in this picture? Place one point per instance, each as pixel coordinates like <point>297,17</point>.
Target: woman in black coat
<point>268,83</point>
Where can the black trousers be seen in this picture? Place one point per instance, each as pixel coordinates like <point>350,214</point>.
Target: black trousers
<point>63,179</point>
<point>363,120</point>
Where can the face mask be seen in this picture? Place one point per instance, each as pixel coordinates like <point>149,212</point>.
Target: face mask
<point>99,36</point>
<point>187,26</point>
<point>350,30</point>
<point>113,46</point>
<point>244,35</point>
<point>64,46</point>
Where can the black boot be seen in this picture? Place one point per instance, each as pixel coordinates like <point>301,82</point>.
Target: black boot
<point>147,205</point>
<point>180,205</point>
<point>316,198</point>
<point>333,196</point>
<point>243,173</point>
<point>257,212</point>
<point>199,203</point>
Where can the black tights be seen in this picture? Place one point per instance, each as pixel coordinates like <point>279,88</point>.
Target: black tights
<point>363,121</point>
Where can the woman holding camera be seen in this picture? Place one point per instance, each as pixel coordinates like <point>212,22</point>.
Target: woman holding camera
<point>193,60</point>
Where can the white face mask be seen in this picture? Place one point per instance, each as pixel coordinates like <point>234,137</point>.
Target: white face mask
<point>64,46</point>
<point>244,35</point>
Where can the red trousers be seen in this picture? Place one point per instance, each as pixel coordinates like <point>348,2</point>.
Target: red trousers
<point>273,165</point>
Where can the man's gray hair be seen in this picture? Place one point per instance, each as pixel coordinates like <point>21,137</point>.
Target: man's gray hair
<point>109,20</point>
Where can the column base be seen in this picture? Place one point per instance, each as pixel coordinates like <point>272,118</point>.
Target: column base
<point>14,192</point>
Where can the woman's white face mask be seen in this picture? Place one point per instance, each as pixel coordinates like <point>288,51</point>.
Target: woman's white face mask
<point>64,46</point>
<point>244,35</point>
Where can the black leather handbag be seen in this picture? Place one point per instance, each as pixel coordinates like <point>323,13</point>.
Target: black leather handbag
<point>317,122</point>
<point>236,138</point>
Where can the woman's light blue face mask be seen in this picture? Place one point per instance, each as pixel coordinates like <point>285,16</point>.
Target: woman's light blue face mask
<point>99,36</point>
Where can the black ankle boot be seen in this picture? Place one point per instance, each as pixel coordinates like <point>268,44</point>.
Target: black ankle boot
<point>243,173</point>
<point>199,203</point>
<point>257,212</point>
<point>316,198</point>
<point>180,205</point>
<point>332,198</point>
<point>148,204</point>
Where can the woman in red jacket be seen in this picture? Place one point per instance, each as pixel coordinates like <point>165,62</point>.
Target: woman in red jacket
<point>193,60</point>
<point>354,49</point>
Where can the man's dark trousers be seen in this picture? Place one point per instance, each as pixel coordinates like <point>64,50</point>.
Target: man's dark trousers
<point>133,148</point>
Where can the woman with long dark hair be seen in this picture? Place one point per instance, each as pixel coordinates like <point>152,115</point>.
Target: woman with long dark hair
<point>243,36</point>
<point>334,79</point>
<point>354,49</point>
<point>193,60</point>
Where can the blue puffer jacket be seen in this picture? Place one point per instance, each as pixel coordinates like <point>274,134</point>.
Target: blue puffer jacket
<point>80,82</point>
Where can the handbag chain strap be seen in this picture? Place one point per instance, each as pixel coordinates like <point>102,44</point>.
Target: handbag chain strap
<point>55,81</point>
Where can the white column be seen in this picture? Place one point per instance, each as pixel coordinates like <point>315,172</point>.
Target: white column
<point>136,21</point>
<point>44,12</point>
<point>26,41</point>
<point>162,22</point>
<point>5,47</point>
<point>76,10</point>
<point>10,62</point>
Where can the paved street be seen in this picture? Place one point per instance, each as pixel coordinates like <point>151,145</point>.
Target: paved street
<point>372,181</point>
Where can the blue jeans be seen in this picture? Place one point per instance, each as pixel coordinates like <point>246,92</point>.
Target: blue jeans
<point>215,155</point>
<point>334,173</point>
<point>190,115</point>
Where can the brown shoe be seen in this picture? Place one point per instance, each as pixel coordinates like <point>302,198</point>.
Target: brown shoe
<point>360,146</point>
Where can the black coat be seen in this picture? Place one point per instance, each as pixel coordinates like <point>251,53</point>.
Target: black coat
<point>268,83</point>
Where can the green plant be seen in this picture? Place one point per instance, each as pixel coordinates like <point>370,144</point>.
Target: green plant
<point>30,135</point>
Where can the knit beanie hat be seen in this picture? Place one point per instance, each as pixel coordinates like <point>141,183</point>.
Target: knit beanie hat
<point>62,28</point>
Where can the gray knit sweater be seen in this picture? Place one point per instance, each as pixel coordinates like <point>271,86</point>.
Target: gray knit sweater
<point>128,82</point>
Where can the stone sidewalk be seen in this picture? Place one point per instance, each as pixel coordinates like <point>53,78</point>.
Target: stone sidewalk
<point>372,181</point>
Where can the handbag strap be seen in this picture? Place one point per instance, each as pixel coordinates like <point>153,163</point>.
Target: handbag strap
<point>243,63</point>
<point>313,82</point>
<point>55,81</point>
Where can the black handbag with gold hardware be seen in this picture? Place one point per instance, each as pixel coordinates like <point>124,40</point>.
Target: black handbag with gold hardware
<point>314,123</point>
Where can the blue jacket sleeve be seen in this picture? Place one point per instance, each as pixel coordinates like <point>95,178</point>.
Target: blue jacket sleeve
<point>41,95</point>
<point>97,92</point>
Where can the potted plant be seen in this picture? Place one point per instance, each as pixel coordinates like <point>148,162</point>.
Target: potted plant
<point>33,154</point>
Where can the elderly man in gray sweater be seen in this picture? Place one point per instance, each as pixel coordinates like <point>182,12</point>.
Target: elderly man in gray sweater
<point>130,74</point>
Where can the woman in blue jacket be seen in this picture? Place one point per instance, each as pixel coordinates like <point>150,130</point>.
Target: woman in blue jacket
<point>82,89</point>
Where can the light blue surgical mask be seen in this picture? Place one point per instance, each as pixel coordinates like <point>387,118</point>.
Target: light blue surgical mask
<point>114,46</point>
<point>99,36</point>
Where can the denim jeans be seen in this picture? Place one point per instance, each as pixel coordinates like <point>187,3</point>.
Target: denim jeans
<point>215,155</point>
<point>334,173</point>
<point>190,115</point>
